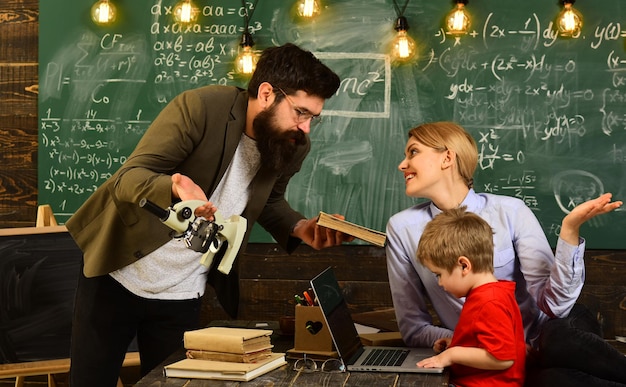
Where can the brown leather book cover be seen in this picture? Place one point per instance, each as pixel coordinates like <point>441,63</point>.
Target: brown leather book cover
<point>251,357</point>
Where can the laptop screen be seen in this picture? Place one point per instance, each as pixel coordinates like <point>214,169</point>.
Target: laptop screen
<point>338,318</point>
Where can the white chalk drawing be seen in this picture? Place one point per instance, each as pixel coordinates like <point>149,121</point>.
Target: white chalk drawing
<point>342,157</point>
<point>574,187</point>
<point>358,84</point>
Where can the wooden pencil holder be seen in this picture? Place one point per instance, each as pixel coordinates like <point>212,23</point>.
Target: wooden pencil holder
<point>311,333</point>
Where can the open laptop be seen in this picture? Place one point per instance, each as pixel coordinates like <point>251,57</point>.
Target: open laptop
<point>352,352</point>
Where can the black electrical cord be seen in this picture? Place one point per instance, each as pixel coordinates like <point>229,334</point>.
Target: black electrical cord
<point>247,16</point>
<point>398,11</point>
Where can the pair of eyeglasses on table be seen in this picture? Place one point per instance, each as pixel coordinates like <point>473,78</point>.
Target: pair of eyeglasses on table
<point>307,364</point>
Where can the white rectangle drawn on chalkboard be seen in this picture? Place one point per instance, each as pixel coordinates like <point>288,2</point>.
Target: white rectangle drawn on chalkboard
<point>371,75</point>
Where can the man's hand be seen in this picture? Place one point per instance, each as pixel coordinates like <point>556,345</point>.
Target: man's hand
<point>184,188</point>
<point>319,237</point>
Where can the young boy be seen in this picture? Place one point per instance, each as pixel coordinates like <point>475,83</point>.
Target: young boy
<point>487,347</point>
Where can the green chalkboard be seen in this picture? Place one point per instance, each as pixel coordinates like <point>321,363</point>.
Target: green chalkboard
<point>549,114</point>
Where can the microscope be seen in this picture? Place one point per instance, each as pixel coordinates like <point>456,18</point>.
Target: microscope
<point>201,235</point>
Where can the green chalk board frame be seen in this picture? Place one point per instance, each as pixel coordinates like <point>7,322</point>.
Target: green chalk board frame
<point>548,113</point>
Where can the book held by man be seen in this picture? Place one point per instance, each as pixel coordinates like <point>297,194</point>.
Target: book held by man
<point>367,234</point>
<point>223,370</point>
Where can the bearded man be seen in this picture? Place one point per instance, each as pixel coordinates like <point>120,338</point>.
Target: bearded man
<point>234,149</point>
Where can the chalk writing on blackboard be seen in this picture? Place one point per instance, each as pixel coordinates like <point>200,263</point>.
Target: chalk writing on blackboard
<point>538,106</point>
<point>363,76</point>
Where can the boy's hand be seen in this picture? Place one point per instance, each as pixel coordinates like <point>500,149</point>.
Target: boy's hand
<point>438,361</point>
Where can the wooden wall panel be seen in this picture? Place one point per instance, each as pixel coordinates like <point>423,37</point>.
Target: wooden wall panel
<point>270,278</point>
<point>605,289</point>
<point>19,28</point>
<point>18,112</point>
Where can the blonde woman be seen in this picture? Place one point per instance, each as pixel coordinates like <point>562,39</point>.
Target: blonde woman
<point>440,160</point>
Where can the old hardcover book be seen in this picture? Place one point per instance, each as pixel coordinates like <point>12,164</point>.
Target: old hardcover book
<point>222,370</point>
<point>231,340</point>
<point>368,235</point>
<point>226,356</point>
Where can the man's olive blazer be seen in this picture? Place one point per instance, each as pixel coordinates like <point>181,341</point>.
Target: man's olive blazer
<point>196,134</point>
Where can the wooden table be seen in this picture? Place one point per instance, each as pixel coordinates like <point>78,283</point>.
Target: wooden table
<point>286,376</point>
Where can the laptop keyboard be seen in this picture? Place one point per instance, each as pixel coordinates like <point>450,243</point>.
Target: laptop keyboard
<point>386,357</point>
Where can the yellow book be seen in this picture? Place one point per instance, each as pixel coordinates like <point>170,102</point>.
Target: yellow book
<point>368,235</point>
<point>223,370</point>
<point>231,340</point>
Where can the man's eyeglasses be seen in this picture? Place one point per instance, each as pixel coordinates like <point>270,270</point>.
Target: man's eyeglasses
<point>301,114</point>
<point>306,364</point>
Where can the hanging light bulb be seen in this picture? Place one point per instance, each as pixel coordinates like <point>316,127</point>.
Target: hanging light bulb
<point>103,12</point>
<point>570,21</point>
<point>185,12</point>
<point>245,63</point>
<point>308,8</point>
<point>458,20</point>
<point>403,46</point>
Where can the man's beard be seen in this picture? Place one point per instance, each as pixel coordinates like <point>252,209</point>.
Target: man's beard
<point>277,148</point>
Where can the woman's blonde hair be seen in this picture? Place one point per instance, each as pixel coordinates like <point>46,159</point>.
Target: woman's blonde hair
<point>445,135</point>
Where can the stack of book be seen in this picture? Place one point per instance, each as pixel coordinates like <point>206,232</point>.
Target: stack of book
<point>238,354</point>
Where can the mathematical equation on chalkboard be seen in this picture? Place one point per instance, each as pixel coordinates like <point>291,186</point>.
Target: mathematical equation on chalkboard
<point>547,114</point>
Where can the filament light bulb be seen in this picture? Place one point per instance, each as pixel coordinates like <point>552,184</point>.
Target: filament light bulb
<point>458,20</point>
<point>308,8</point>
<point>103,12</point>
<point>569,21</point>
<point>245,63</point>
<point>403,46</point>
<point>185,12</point>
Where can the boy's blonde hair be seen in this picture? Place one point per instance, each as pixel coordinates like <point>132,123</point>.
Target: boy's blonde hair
<point>445,135</point>
<point>455,233</point>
